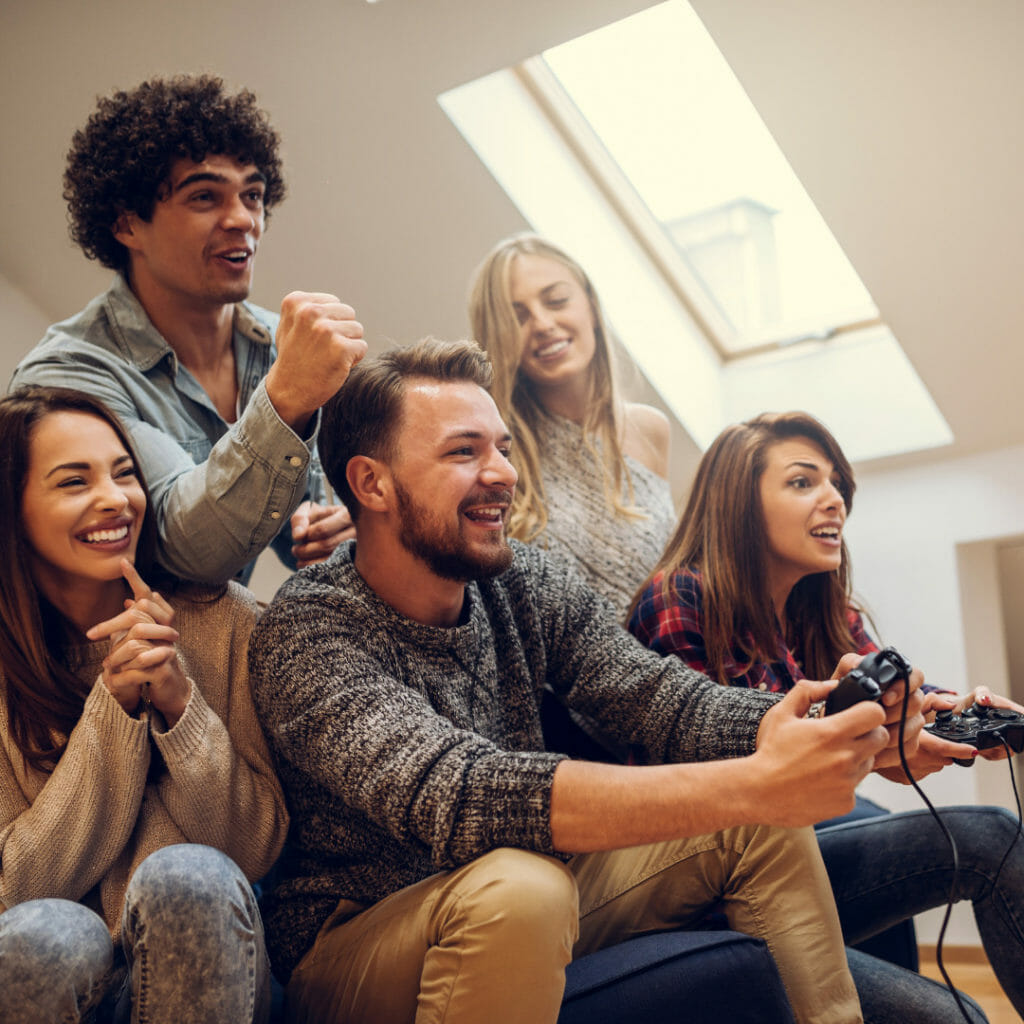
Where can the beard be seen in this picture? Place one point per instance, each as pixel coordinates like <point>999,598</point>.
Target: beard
<point>443,547</point>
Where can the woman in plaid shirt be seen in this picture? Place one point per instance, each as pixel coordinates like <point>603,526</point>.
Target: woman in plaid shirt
<point>754,590</point>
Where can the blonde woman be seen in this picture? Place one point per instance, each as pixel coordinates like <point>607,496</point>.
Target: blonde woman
<point>592,467</point>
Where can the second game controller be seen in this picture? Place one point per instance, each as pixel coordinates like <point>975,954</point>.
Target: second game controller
<point>980,727</point>
<point>869,680</point>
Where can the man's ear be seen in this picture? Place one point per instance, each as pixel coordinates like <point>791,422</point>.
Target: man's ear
<point>370,481</point>
<point>124,229</point>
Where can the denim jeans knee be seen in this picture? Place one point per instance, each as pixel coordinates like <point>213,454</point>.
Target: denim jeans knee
<point>194,940</point>
<point>56,962</point>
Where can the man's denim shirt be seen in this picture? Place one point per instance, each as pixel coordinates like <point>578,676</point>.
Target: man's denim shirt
<point>221,492</point>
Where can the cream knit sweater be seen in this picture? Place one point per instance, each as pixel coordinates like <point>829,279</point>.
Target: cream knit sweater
<point>80,832</point>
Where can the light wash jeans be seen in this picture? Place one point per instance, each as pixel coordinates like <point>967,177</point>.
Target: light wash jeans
<point>886,869</point>
<point>192,951</point>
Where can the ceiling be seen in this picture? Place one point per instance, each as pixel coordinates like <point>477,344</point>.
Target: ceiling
<point>903,120</point>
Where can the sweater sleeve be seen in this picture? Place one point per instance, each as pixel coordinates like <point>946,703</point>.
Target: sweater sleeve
<point>345,707</point>
<point>61,840</point>
<point>633,694</point>
<point>220,787</point>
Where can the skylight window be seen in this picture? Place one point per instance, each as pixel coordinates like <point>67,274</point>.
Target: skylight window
<point>658,94</point>
<point>636,149</point>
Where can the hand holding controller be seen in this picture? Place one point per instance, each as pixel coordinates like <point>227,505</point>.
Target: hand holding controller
<point>980,727</point>
<point>869,680</point>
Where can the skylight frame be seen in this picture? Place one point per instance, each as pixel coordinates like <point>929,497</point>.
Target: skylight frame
<point>538,146</point>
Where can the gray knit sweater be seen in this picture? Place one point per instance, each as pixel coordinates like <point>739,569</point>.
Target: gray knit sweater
<point>405,749</point>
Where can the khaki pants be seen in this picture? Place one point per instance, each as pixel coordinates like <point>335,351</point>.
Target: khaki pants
<point>488,943</point>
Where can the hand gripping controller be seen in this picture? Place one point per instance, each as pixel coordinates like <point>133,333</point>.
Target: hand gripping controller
<point>980,727</point>
<point>869,680</point>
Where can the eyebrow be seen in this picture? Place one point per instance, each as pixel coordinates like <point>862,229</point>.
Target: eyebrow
<point>470,435</point>
<point>217,179</point>
<point>546,290</point>
<point>81,467</point>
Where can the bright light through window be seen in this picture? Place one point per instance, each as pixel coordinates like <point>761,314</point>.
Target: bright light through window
<point>715,271</point>
<point>664,102</point>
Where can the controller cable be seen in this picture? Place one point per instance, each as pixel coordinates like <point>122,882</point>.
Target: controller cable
<point>952,842</point>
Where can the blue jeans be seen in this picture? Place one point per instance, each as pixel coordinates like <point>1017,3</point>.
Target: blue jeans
<point>192,951</point>
<point>888,868</point>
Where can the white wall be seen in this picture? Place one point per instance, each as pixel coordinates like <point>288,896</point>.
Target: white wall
<point>22,324</point>
<point>926,544</point>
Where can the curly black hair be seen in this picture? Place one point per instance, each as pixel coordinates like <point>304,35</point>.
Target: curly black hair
<point>122,157</point>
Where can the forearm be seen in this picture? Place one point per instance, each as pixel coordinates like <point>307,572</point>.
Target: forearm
<point>66,840</point>
<point>221,792</point>
<point>604,806</point>
<point>218,515</point>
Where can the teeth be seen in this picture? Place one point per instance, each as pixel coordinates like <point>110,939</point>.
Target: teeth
<point>102,536</point>
<point>552,349</point>
<point>826,531</point>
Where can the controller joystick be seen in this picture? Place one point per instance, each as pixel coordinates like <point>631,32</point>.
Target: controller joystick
<point>980,727</point>
<point>869,680</point>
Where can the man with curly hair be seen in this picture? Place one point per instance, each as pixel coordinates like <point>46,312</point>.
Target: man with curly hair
<point>170,185</point>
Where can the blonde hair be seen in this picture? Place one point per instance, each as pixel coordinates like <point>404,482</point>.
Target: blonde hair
<point>497,330</point>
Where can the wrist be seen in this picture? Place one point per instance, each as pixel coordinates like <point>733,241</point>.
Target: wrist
<point>290,409</point>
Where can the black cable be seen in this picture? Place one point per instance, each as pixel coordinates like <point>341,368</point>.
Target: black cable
<point>952,847</point>
<point>1020,820</point>
<point>952,842</point>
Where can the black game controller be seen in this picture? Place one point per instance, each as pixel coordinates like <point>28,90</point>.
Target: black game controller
<point>981,727</point>
<point>869,680</point>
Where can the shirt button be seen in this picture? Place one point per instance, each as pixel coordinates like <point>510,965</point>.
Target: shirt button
<point>295,461</point>
<point>762,686</point>
<point>275,515</point>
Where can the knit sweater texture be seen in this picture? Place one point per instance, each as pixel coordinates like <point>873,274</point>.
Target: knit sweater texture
<point>81,831</point>
<point>406,749</point>
<point>613,552</point>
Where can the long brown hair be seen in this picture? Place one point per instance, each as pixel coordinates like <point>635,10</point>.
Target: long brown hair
<point>43,696</point>
<point>495,327</point>
<point>722,535</point>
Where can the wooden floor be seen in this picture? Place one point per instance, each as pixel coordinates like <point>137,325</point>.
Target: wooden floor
<point>970,972</point>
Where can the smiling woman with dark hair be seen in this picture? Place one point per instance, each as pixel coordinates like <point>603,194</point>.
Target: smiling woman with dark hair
<point>754,590</point>
<point>136,791</point>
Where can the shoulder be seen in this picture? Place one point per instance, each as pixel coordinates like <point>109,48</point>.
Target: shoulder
<point>330,592</point>
<point>679,593</point>
<point>647,436</point>
<point>65,340</point>
<point>228,607</point>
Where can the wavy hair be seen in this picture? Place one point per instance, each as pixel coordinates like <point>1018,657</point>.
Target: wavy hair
<point>495,327</point>
<point>722,534</point>
<point>42,694</point>
<point>121,159</point>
